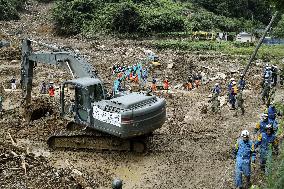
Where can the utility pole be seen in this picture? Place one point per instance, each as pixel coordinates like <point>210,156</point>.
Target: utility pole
<point>259,44</point>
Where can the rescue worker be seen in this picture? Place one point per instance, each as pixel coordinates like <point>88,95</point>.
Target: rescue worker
<point>166,84</point>
<point>13,83</point>
<point>51,91</point>
<point>264,140</point>
<point>188,85</point>
<point>117,184</point>
<point>274,71</point>
<point>260,126</point>
<point>245,154</point>
<point>199,79</point>
<point>230,84</point>
<point>241,83</point>
<point>215,103</point>
<point>43,88</point>
<point>240,102</point>
<point>272,111</point>
<point>196,80</point>
<point>116,86</point>
<point>267,75</point>
<point>154,84</point>
<point>265,92</point>
<point>216,89</point>
<point>234,92</point>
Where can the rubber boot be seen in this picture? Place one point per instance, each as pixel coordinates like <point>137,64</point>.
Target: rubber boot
<point>243,111</point>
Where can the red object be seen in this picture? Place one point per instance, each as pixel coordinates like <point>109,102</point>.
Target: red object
<point>197,83</point>
<point>166,84</point>
<point>51,91</point>
<point>154,87</point>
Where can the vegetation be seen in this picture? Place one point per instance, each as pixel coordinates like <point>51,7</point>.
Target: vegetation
<point>279,29</point>
<point>276,179</point>
<point>9,9</point>
<point>248,9</point>
<point>232,48</point>
<point>141,17</point>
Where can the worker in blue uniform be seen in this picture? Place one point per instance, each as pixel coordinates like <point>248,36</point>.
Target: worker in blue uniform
<point>245,154</point>
<point>241,83</point>
<point>260,126</point>
<point>263,141</point>
<point>272,112</point>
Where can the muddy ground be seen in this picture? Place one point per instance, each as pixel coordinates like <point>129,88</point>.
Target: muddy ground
<point>191,150</point>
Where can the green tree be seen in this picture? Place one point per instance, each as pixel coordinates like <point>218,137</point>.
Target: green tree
<point>126,19</point>
<point>9,9</point>
<point>279,29</point>
<point>70,16</point>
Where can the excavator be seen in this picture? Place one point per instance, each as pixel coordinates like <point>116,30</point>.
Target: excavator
<point>121,122</point>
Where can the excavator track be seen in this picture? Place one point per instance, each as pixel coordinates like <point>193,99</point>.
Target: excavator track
<point>93,140</point>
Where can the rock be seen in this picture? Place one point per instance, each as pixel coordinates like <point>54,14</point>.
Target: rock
<point>76,172</point>
<point>170,65</point>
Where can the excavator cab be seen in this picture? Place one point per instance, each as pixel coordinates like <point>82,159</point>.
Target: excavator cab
<point>77,97</point>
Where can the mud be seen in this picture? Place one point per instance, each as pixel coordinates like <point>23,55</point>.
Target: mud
<point>192,149</point>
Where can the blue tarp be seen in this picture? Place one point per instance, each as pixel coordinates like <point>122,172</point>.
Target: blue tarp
<point>273,41</point>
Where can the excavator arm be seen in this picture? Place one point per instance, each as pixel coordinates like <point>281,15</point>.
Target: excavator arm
<point>76,65</point>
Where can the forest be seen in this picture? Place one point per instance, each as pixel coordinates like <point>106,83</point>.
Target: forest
<point>147,18</point>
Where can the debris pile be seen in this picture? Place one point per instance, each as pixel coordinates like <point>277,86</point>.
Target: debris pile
<point>21,169</point>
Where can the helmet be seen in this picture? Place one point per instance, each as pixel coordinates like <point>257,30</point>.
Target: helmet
<point>232,79</point>
<point>272,103</point>
<point>245,133</point>
<point>268,126</point>
<point>264,115</point>
<point>117,184</point>
<point>216,84</point>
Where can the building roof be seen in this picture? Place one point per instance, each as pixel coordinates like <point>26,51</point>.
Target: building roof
<point>244,34</point>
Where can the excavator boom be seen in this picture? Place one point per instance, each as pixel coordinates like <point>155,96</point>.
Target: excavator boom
<point>76,65</point>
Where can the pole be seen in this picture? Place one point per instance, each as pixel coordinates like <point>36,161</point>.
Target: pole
<point>259,44</point>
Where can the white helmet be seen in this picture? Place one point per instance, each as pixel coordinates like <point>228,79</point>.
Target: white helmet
<point>216,84</point>
<point>232,79</point>
<point>245,133</point>
<point>264,115</point>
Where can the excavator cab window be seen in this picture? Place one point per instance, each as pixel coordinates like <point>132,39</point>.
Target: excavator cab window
<point>82,103</point>
<point>96,93</point>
